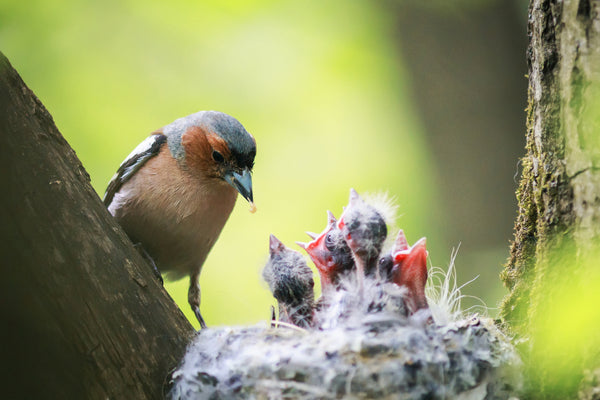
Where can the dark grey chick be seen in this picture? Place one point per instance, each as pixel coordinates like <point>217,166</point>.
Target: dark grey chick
<point>291,282</point>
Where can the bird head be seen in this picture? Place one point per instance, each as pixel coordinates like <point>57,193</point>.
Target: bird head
<point>214,145</point>
<point>330,252</point>
<point>410,270</point>
<point>364,230</point>
<point>386,262</point>
<point>288,276</point>
<point>291,282</point>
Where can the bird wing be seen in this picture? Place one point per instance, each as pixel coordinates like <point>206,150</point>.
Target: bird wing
<point>138,157</point>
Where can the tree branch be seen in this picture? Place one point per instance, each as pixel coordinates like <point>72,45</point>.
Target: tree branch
<point>82,314</point>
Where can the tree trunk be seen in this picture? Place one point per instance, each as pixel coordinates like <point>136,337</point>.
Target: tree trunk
<point>552,272</point>
<point>82,314</point>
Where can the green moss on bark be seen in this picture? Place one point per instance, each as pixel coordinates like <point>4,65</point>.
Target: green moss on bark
<point>552,272</point>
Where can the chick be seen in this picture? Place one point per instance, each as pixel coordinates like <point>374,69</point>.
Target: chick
<point>386,262</point>
<point>330,254</point>
<point>365,230</point>
<point>410,270</point>
<point>291,282</point>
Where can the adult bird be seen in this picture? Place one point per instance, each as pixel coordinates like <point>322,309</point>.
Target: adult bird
<point>175,191</point>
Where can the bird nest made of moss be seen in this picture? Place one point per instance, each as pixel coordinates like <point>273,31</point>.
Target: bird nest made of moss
<point>373,333</point>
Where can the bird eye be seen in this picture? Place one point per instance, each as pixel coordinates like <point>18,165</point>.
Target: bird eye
<point>218,157</point>
<point>329,241</point>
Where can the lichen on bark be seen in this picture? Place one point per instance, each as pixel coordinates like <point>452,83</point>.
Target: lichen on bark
<point>557,228</point>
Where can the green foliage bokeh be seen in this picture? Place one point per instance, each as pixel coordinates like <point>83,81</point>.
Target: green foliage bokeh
<point>319,84</point>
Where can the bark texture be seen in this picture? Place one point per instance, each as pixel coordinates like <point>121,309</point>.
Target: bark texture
<point>82,314</point>
<point>558,224</point>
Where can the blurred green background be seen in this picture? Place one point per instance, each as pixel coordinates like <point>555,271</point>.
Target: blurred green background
<point>422,102</point>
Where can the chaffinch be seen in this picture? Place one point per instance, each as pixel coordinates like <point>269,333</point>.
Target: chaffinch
<point>175,191</point>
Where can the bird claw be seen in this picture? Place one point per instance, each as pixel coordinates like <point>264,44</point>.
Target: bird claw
<point>199,317</point>
<point>150,260</point>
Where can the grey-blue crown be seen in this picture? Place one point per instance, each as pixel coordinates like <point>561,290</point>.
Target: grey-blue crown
<point>240,142</point>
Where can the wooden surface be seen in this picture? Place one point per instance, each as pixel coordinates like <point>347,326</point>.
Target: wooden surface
<point>557,233</point>
<point>82,314</point>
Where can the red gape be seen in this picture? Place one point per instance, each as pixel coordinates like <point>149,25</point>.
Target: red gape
<point>410,270</point>
<point>321,256</point>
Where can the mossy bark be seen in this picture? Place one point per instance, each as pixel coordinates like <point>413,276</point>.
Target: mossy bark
<point>559,193</point>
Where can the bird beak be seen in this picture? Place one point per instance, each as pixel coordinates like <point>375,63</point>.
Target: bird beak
<point>242,183</point>
<point>400,244</point>
<point>275,245</point>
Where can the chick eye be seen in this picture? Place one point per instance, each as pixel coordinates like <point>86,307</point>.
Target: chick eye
<point>218,157</point>
<point>329,242</point>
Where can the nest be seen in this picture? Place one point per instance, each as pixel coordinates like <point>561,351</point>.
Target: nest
<point>371,334</point>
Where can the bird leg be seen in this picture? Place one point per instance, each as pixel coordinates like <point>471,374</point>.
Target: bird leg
<point>140,248</point>
<point>194,297</point>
